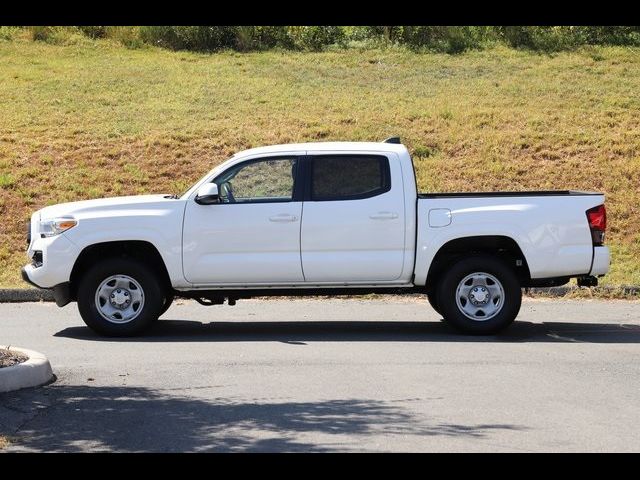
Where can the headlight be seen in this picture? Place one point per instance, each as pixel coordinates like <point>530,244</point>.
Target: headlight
<point>55,226</point>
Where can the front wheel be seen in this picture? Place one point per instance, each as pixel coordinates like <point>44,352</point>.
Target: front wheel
<point>431,296</point>
<point>119,297</point>
<point>479,295</point>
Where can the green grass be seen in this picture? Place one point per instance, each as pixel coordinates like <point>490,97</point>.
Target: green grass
<point>94,119</point>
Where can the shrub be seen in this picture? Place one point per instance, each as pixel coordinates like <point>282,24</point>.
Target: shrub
<point>160,36</point>
<point>539,38</point>
<point>272,36</point>
<point>606,35</point>
<point>443,38</point>
<point>41,33</point>
<point>93,31</point>
<point>9,33</point>
<point>57,35</point>
<point>316,37</point>
<point>449,39</point>
<point>127,36</point>
<point>198,38</point>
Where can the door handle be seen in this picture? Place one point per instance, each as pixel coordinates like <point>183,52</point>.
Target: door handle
<point>383,216</point>
<point>283,217</point>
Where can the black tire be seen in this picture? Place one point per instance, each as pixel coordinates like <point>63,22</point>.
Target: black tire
<point>168,300</point>
<point>143,275</point>
<point>453,276</point>
<point>431,296</point>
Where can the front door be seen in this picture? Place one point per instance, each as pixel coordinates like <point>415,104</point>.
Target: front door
<point>253,235</point>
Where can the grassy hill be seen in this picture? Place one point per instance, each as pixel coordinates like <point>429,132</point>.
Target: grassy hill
<point>96,119</point>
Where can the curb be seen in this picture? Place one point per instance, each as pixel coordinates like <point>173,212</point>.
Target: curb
<point>10,295</point>
<point>34,372</point>
<point>562,291</point>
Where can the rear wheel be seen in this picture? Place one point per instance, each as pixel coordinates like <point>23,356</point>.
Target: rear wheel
<point>167,301</point>
<point>119,297</point>
<point>479,295</point>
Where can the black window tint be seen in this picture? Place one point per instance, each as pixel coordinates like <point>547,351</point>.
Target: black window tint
<point>347,177</point>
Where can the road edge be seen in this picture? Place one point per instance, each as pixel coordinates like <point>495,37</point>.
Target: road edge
<point>13,295</point>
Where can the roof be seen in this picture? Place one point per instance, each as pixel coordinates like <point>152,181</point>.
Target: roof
<point>324,146</point>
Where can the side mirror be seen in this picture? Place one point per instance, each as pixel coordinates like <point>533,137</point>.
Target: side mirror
<point>208,194</point>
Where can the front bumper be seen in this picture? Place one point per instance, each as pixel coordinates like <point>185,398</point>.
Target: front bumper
<point>25,277</point>
<point>57,257</point>
<point>61,292</point>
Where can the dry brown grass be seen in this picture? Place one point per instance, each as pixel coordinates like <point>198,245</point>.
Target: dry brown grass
<point>92,120</point>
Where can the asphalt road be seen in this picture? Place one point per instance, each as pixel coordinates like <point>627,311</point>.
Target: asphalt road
<point>331,375</point>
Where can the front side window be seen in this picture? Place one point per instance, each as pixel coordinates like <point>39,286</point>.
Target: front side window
<point>349,177</point>
<point>269,180</point>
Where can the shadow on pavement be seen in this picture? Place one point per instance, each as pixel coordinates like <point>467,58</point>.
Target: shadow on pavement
<point>299,332</point>
<point>127,419</point>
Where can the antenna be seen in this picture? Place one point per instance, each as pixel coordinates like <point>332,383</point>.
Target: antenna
<point>392,140</point>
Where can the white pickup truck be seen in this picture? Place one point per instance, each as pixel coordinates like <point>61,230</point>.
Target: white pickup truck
<point>314,219</point>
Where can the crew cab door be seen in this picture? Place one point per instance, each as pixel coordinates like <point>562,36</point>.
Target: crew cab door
<point>353,223</point>
<point>253,235</point>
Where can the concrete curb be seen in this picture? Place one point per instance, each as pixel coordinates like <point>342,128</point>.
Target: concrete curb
<point>8,295</point>
<point>564,290</point>
<point>34,372</point>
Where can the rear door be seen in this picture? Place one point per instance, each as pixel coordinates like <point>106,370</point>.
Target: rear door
<point>353,221</point>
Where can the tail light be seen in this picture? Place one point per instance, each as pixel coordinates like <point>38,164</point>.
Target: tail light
<point>597,217</point>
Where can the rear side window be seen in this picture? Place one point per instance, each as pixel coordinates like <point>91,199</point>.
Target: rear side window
<point>349,177</point>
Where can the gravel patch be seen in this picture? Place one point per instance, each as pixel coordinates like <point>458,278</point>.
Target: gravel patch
<point>9,358</point>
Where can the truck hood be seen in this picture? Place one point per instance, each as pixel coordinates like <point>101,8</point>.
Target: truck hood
<point>88,208</point>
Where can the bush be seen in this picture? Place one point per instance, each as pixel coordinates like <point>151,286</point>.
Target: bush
<point>443,38</point>
<point>556,38</point>
<point>127,36</point>
<point>159,36</point>
<point>211,38</point>
<point>57,35</point>
<point>41,33</point>
<point>448,39</point>
<point>606,35</point>
<point>198,38</point>
<point>315,37</point>
<point>262,37</point>
<point>93,31</point>
<point>271,37</point>
<point>539,38</point>
<point>9,33</point>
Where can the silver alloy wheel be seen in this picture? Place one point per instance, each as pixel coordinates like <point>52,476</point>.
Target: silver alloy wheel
<point>119,299</point>
<point>480,296</point>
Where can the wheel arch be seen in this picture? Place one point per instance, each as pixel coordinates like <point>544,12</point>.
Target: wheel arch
<point>139,249</point>
<point>502,246</point>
